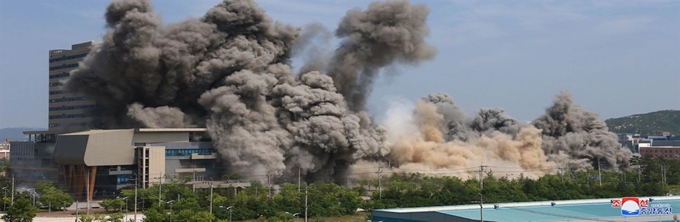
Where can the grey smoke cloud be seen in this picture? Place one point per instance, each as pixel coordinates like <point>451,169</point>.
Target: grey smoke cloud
<point>387,33</point>
<point>576,138</point>
<point>313,45</point>
<point>229,72</point>
<point>439,138</point>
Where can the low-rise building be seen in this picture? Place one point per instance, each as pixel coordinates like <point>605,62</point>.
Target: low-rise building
<point>31,161</point>
<point>97,164</point>
<point>4,149</point>
<point>665,152</point>
<point>107,161</point>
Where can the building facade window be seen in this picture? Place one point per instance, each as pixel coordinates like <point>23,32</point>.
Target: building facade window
<point>77,56</point>
<point>73,107</point>
<point>71,99</point>
<point>123,179</point>
<point>188,152</point>
<point>67,116</point>
<point>60,75</point>
<point>64,66</point>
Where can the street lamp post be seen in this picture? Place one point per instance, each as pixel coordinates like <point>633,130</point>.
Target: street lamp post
<point>136,184</point>
<point>211,198</point>
<point>32,195</point>
<point>230,208</point>
<point>4,204</point>
<point>170,202</point>
<point>160,188</point>
<point>306,194</point>
<point>126,207</point>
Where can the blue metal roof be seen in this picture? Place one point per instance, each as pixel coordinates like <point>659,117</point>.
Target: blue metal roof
<point>536,211</point>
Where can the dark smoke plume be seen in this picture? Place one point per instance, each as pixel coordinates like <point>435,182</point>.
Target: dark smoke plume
<point>387,33</point>
<point>576,138</point>
<point>229,71</point>
<point>458,127</point>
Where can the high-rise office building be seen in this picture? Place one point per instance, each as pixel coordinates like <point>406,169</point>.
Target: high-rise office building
<point>67,111</point>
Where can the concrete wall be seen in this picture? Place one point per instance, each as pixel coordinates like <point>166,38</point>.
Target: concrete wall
<point>70,150</point>
<point>160,137</point>
<point>110,149</point>
<point>95,148</point>
<point>156,164</point>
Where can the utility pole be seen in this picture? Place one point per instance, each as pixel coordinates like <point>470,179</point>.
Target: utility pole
<point>599,172</point>
<point>87,189</point>
<point>211,197</point>
<point>160,188</point>
<point>639,171</point>
<point>12,190</point>
<point>380,180</point>
<point>299,178</point>
<point>624,177</point>
<point>481,177</point>
<point>136,184</point>
<point>481,187</point>
<point>663,179</point>
<point>481,208</point>
<point>306,207</point>
<point>561,174</point>
<point>269,183</point>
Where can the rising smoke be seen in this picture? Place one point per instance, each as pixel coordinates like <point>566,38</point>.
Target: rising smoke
<point>576,139</point>
<point>229,71</point>
<point>386,34</point>
<point>434,137</point>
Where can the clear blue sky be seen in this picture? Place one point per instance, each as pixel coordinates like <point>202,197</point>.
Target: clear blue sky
<point>616,57</point>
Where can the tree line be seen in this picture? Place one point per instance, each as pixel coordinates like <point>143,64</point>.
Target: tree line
<point>649,177</point>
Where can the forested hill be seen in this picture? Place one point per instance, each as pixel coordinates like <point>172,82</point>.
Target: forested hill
<point>15,133</point>
<point>653,123</point>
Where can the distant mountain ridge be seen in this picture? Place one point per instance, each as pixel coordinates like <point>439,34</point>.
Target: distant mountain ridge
<point>16,133</point>
<point>654,123</point>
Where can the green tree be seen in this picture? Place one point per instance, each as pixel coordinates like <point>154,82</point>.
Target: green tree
<point>86,218</point>
<point>117,217</point>
<point>21,211</point>
<point>55,198</point>
<point>281,217</point>
<point>193,216</point>
<point>113,204</point>
<point>155,214</point>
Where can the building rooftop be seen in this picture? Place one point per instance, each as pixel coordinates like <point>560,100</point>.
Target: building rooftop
<point>570,210</point>
<point>171,130</point>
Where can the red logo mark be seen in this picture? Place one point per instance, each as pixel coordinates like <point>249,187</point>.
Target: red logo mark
<point>644,203</point>
<point>616,203</point>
